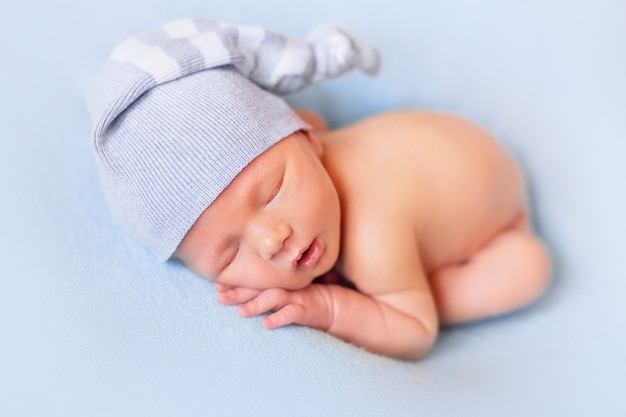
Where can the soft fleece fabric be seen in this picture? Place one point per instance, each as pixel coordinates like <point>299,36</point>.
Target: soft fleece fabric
<point>92,325</point>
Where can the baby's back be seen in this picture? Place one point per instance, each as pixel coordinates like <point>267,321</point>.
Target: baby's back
<point>449,181</point>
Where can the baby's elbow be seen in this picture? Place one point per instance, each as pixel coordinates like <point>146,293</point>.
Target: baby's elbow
<point>419,342</point>
<point>417,350</point>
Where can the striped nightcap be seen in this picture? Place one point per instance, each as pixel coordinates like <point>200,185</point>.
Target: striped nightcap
<point>181,109</point>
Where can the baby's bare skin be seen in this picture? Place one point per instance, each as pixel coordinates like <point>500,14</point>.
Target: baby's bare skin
<point>433,230</point>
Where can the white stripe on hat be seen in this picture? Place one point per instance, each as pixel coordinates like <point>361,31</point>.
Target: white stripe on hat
<point>212,48</point>
<point>180,28</point>
<point>150,59</point>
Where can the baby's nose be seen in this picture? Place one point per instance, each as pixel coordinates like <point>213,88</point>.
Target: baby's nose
<point>268,237</point>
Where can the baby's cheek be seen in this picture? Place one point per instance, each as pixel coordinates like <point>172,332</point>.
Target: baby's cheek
<point>202,271</point>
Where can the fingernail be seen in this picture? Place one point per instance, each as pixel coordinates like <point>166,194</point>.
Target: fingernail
<point>242,310</point>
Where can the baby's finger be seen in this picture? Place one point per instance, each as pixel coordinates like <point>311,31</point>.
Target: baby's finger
<point>268,300</point>
<point>223,287</point>
<point>237,296</point>
<point>290,314</point>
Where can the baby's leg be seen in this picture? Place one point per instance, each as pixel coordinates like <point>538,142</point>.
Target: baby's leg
<point>511,271</point>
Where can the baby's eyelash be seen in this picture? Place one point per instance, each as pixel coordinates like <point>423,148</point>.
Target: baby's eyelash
<point>232,257</point>
<point>276,189</point>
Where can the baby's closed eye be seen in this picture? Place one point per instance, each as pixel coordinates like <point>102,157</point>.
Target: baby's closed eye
<point>233,251</point>
<point>275,190</point>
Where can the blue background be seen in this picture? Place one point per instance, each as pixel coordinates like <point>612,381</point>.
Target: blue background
<point>92,325</point>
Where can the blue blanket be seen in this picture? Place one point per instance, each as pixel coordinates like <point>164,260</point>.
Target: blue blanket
<point>92,325</point>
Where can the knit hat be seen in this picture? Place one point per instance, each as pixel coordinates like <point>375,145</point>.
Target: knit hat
<point>181,109</point>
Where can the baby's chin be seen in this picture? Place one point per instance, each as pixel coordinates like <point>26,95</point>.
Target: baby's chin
<point>301,283</point>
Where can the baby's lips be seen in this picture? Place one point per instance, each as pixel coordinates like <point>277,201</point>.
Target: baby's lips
<point>296,259</point>
<point>311,255</point>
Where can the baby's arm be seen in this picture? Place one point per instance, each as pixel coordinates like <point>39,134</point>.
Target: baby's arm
<point>401,324</point>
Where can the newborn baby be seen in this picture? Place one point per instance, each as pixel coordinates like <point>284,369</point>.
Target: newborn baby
<point>377,233</point>
<point>423,213</point>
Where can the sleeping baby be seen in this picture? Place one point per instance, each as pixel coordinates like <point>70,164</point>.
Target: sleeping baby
<point>378,232</point>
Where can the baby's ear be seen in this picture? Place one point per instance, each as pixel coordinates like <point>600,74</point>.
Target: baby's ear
<point>313,119</point>
<point>315,143</point>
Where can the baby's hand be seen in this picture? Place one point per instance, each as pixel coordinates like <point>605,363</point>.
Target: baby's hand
<point>310,306</point>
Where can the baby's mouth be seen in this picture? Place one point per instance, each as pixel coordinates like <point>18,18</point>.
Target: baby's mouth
<point>311,255</point>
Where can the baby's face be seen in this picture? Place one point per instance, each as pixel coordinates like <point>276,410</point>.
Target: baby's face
<point>277,225</point>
